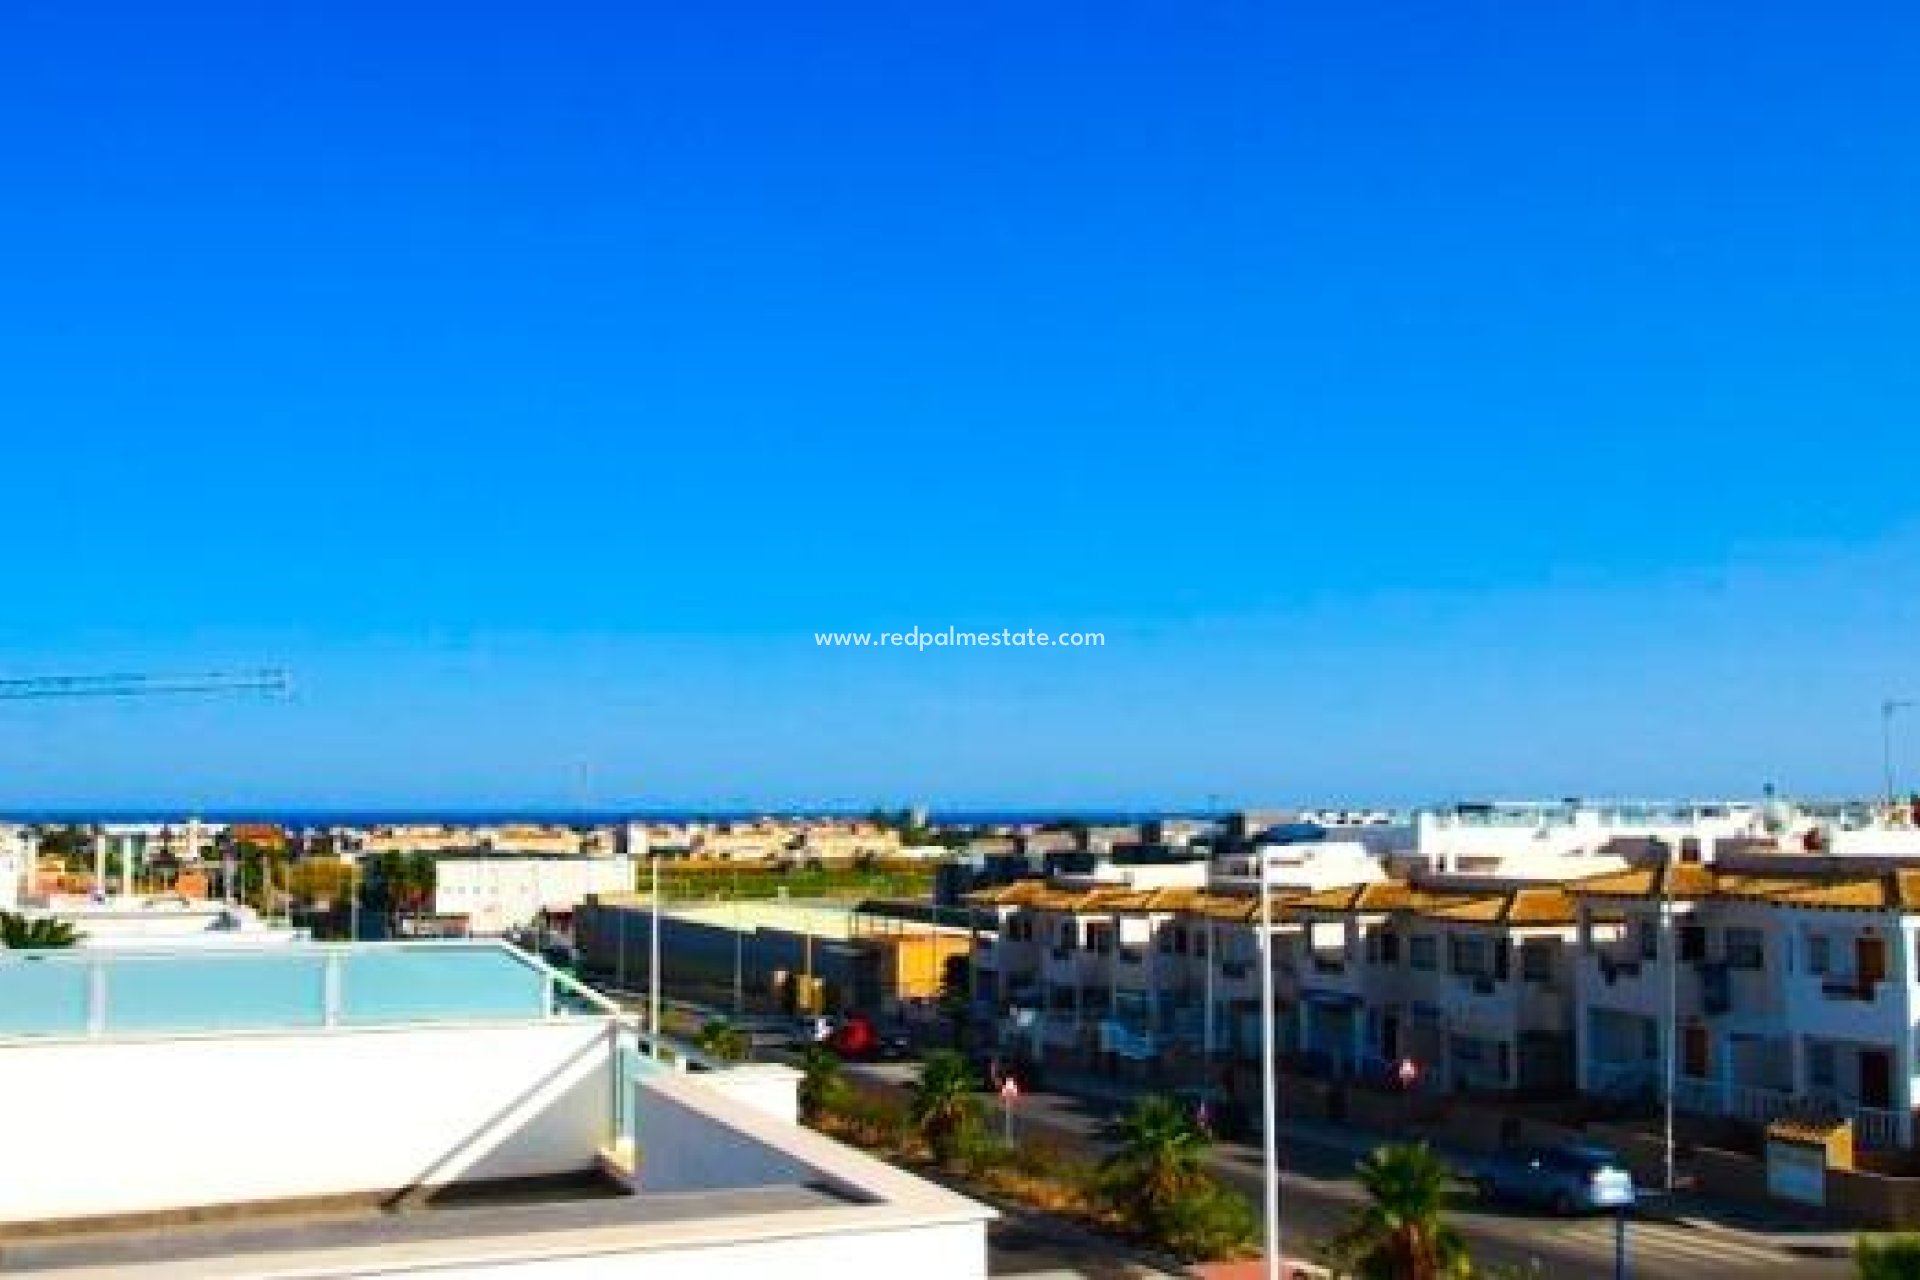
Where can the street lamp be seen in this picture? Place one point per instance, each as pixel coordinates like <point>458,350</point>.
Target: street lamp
<point>1664,869</point>
<point>653,961</point>
<point>1269,1137</point>
<point>1887,708</point>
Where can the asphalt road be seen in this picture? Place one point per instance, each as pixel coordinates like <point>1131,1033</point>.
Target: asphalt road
<point>1318,1194</point>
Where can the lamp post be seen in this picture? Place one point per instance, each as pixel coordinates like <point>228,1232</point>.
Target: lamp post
<point>1887,708</point>
<point>1269,1137</point>
<point>1664,869</point>
<point>653,960</point>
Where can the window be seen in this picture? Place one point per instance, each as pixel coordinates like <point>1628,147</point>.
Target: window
<point>1536,962</point>
<point>1100,938</point>
<point>1819,953</point>
<point>1693,943</point>
<point>1745,949</point>
<point>1820,1064</point>
<point>1423,951</point>
<point>1390,948</point>
<point>1649,939</point>
<point>1469,956</point>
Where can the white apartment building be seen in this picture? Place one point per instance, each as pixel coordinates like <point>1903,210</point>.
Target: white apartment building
<point>499,893</point>
<point>1504,837</point>
<point>1781,987</point>
<point>1468,981</point>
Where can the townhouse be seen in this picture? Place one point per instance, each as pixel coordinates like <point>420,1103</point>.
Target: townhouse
<point>1471,983</point>
<point>1100,976</point>
<point>1768,988</point>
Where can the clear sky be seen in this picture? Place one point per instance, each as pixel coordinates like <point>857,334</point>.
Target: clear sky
<point>1425,400</point>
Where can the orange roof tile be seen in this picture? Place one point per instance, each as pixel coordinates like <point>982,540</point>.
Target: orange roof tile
<point>1669,879</point>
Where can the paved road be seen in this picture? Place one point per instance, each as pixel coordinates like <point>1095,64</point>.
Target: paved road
<point>1318,1194</point>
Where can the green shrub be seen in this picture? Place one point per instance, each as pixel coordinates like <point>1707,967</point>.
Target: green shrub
<point>1887,1257</point>
<point>1206,1222</point>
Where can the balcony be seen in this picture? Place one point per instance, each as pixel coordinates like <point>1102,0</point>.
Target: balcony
<point>1757,1105</point>
<point>1835,986</point>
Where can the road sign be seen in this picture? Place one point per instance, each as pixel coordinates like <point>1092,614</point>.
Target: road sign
<point>1407,1073</point>
<point>1009,1089</point>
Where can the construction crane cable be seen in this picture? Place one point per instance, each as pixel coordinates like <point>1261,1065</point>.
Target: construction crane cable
<point>135,685</point>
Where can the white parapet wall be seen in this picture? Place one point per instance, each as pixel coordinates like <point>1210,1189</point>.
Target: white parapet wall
<point>149,1125</point>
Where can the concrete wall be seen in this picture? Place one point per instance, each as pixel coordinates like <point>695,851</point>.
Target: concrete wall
<point>136,1126</point>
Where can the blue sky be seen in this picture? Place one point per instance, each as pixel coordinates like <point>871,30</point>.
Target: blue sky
<point>1424,400</point>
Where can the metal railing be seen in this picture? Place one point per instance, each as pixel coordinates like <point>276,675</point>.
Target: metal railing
<point>83,993</point>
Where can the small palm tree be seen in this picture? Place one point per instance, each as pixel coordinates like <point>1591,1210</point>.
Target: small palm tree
<point>1159,1157</point>
<point>1401,1233</point>
<point>945,1111</point>
<point>19,933</point>
<point>823,1082</point>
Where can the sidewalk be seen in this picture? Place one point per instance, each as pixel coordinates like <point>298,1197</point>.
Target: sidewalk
<point>1779,1227</point>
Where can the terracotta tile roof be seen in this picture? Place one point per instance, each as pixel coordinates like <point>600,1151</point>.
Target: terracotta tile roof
<point>1516,907</point>
<point>1897,890</point>
<point>1019,893</point>
<point>1383,895</point>
<point>1685,880</point>
<point>1888,891</point>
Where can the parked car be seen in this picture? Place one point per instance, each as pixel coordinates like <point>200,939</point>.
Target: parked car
<point>1573,1178</point>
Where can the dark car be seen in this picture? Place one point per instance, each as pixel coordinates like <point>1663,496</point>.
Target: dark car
<point>1574,1178</point>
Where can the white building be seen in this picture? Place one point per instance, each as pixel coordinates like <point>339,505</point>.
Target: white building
<point>1485,838</point>
<point>501,893</point>
<point>1782,986</point>
<point>459,1070</point>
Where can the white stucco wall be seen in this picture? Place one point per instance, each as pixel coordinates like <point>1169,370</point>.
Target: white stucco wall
<point>133,1126</point>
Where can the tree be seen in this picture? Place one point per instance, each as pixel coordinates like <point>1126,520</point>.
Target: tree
<point>1159,1157</point>
<point>945,1111</point>
<point>1400,1234</point>
<point>721,1039</point>
<point>19,933</point>
<point>956,997</point>
<point>823,1082</point>
<point>319,880</point>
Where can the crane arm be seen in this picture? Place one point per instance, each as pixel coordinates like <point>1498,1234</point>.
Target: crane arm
<point>137,685</point>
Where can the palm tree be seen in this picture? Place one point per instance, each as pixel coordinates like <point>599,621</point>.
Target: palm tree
<point>1161,1148</point>
<point>19,933</point>
<point>823,1082</point>
<point>1400,1234</point>
<point>945,1110</point>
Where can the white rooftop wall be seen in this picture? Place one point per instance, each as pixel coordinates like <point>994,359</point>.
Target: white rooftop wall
<point>270,1117</point>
